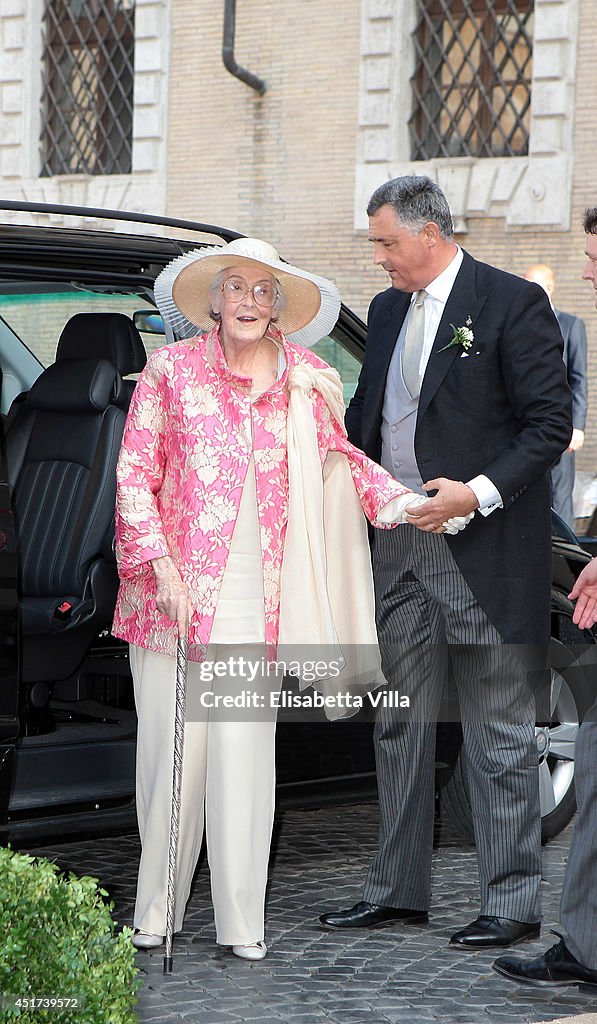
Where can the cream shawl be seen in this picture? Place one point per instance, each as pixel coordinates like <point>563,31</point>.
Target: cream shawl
<point>327,605</point>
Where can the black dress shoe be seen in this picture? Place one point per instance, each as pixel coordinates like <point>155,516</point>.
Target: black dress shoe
<point>369,915</point>
<point>557,966</point>
<point>486,932</point>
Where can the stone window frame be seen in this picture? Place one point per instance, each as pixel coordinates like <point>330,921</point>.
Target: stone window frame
<point>529,190</point>
<point>143,190</point>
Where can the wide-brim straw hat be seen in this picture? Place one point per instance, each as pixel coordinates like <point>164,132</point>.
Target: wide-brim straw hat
<point>182,290</point>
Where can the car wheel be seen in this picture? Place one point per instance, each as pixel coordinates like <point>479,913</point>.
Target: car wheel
<point>555,737</point>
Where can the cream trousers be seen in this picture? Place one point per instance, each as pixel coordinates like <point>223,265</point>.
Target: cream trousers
<point>228,786</point>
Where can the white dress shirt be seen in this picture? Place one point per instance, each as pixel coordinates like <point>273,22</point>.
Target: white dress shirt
<point>438,293</point>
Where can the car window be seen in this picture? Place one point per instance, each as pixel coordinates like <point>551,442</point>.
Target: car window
<point>33,315</point>
<point>37,313</point>
<point>348,365</point>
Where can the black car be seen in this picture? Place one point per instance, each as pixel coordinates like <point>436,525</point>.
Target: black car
<point>69,298</point>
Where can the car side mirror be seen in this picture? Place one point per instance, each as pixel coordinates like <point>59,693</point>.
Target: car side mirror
<point>147,321</point>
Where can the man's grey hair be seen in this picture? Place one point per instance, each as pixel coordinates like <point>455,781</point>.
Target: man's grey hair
<point>590,221</point>
<point>416,200</point>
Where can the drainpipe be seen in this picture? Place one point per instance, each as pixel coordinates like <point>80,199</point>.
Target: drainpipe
<point>228,51</point>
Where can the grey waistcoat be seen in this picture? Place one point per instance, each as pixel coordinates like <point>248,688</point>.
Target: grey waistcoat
<point>399,417</point>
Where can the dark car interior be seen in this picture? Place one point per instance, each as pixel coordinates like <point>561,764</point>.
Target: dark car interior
<point>62,443</point>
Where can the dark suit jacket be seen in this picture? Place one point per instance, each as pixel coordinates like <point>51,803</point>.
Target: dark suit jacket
<point>504,411</point>
<point>575,357</point>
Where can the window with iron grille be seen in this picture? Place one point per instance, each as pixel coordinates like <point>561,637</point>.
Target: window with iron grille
<point>471,87</point>
<point>87,97</point>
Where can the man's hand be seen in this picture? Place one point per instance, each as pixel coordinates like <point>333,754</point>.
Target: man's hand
<point>577,440</point>
<point>584,592</point>
<point>172,597</point>
<point>453,499</point>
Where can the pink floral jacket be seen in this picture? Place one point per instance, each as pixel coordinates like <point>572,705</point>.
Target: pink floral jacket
<point>190,434</point>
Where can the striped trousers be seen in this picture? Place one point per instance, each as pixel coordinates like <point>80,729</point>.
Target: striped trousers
<point>430,624</point>
<point>578,912</point>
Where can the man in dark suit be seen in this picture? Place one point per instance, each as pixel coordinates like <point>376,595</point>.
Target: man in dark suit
<point>478,426</point>
<point>575,359</point>
<point>574,958</point>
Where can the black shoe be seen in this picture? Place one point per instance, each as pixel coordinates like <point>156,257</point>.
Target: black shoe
<point>486,932</point>
<point>557,966</point>
<point>368,915</point>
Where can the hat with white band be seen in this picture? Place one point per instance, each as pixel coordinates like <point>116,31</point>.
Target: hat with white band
<point>183,290</point>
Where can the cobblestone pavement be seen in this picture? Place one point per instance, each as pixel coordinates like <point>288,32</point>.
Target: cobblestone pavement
<point>403,974</point>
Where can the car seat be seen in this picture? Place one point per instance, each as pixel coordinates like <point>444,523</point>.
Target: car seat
<point>62,445</point>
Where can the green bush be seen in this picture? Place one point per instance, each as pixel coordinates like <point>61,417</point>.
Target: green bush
<point>57,940</point>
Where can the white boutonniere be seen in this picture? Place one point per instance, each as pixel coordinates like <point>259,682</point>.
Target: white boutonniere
<point>462,336</point>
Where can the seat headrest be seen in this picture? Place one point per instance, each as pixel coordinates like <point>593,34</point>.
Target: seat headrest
<point>111,336</point>
<point>76,385</point>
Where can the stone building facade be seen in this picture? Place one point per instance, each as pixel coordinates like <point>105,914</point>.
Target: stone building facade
<point>296,165</point>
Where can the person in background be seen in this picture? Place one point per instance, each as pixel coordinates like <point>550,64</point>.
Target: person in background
<point>575,357</point>
<point>226,442</point>
<point>453,399</point>
<point>573,959</point>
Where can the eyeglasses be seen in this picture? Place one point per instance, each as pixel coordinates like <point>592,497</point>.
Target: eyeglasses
<point>235,290</point>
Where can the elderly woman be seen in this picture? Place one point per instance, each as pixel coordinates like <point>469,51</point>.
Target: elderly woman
<point>215,476</point>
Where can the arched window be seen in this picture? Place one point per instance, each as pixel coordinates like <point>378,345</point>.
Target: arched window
<point>471,89</point>
<point>87,97</point>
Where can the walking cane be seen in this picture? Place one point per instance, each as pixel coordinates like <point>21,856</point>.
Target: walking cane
<point>179,720</point>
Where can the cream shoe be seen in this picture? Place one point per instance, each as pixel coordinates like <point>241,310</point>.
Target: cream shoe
<point>146,940</point>
<point>253,951</point>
